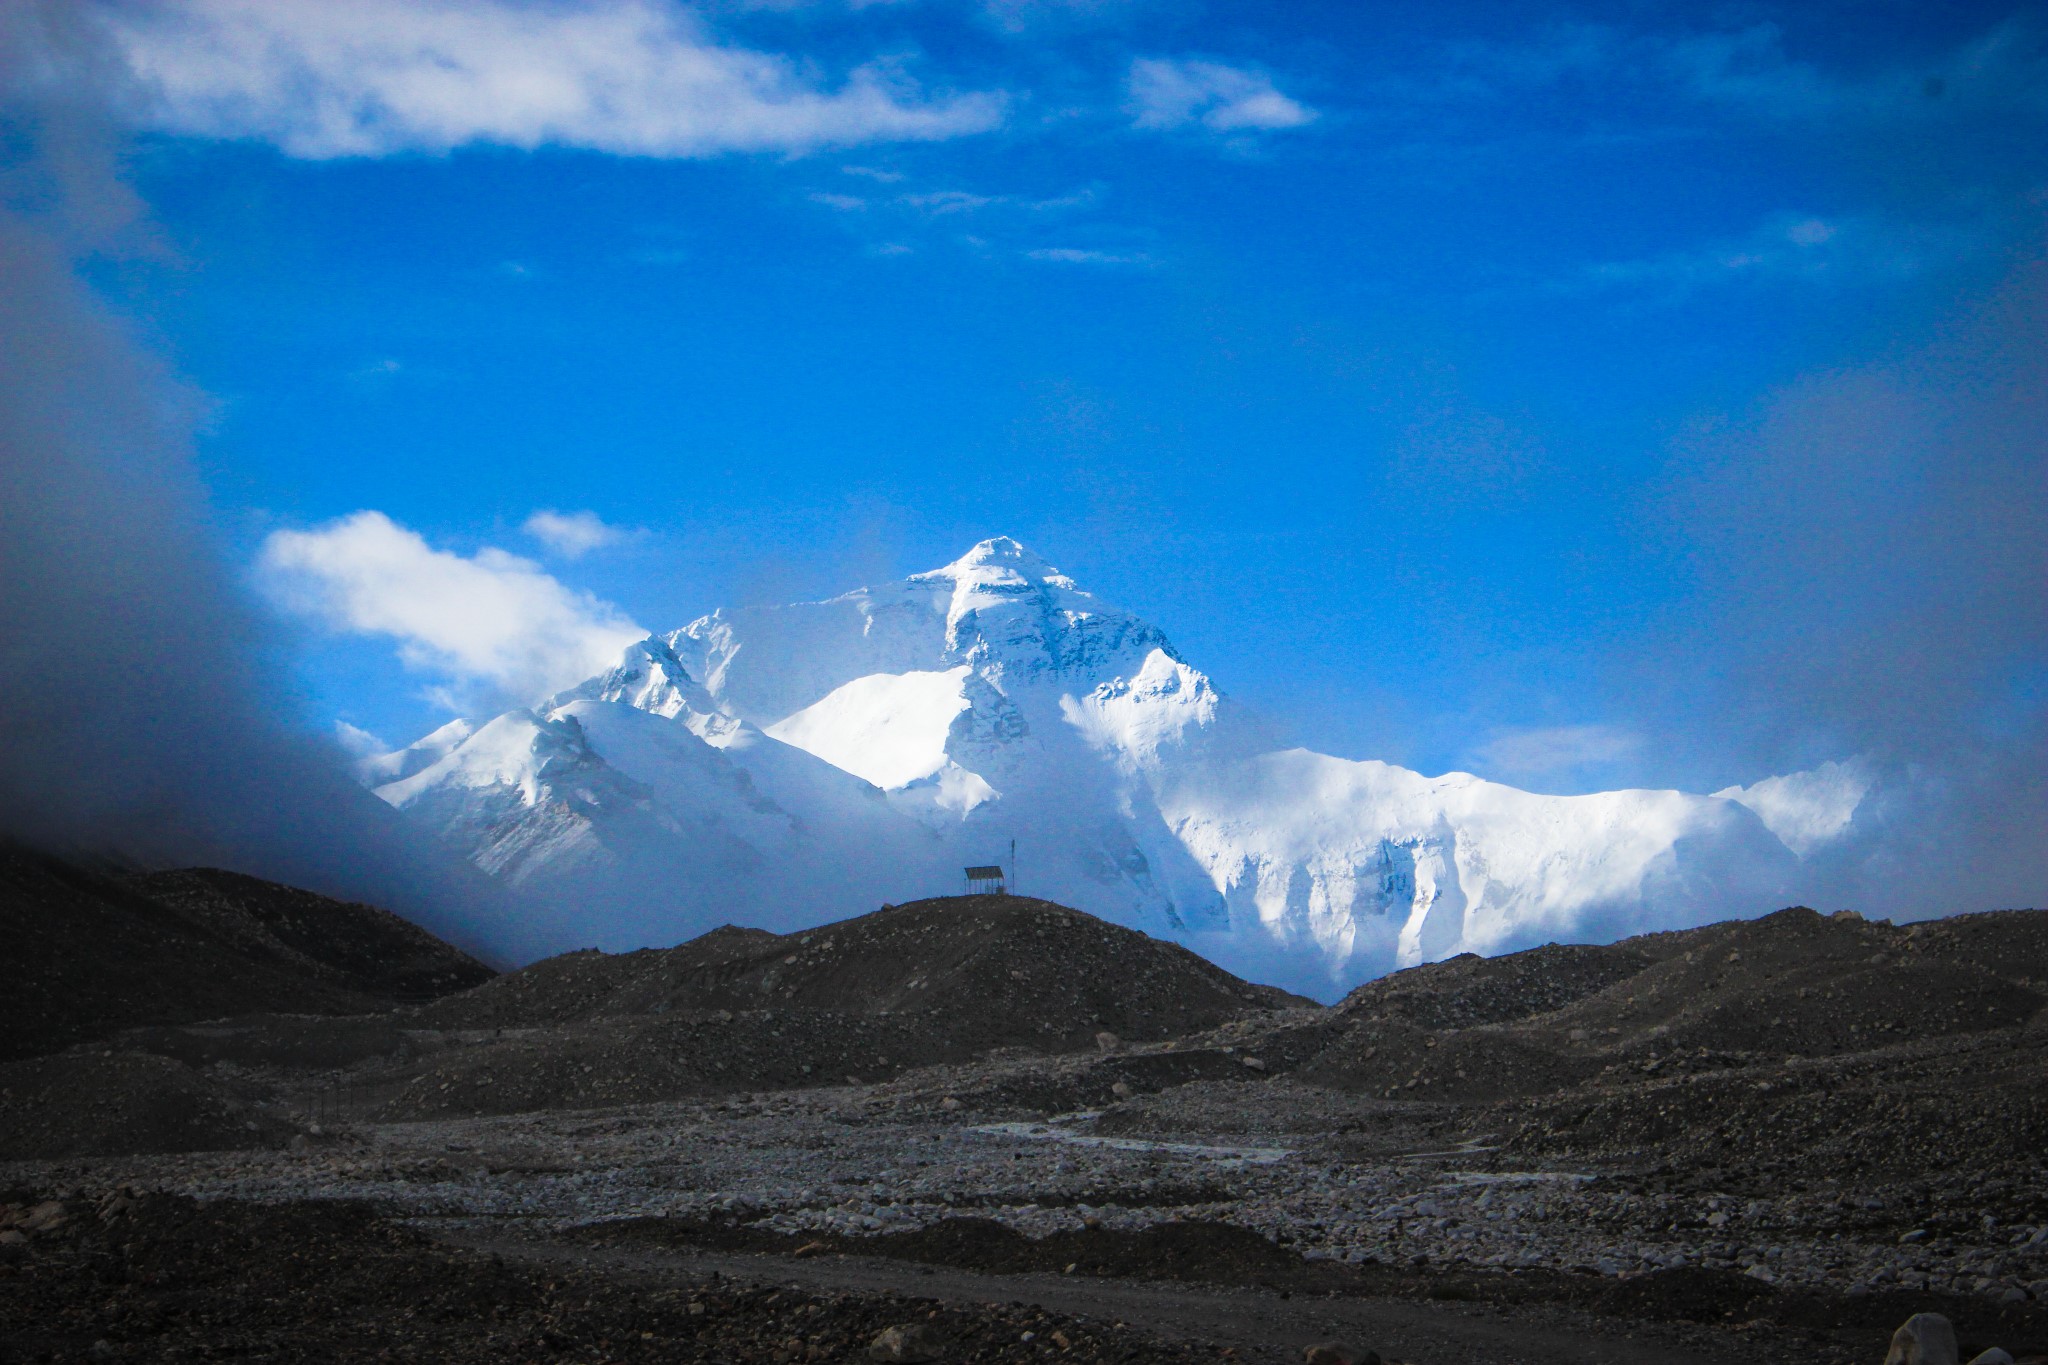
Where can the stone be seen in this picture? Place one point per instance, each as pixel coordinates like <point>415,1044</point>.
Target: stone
<point>1923,1339</point>
<point>912,1344</point>
<point>950,1105</point>
<point>1121,1090</point>
<point>1997,1355</point>
<point>1337,1353</point>
<point>1108,1041</point>
<point>1253,1062</point>
<point>42,1217</point>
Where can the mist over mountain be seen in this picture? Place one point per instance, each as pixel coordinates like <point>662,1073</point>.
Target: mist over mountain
<point>144,718</point>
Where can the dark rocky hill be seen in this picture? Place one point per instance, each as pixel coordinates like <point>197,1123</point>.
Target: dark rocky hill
<point>88,953</point>
<point>359,947</point>
<point>1005,969</point>
<point>1792,1041</point>
<point>935,981</point>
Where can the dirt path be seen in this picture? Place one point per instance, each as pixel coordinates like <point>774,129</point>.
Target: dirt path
<point>1262,1325</point>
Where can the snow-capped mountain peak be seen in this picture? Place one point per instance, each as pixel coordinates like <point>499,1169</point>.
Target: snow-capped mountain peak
<point>649,677</point>
<point>998,564</point>
<point>813,759</point>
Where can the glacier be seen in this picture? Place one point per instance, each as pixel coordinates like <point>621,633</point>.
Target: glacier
<point>786,766</point>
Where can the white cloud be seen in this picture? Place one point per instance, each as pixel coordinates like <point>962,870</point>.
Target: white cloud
<point>357,742</point>
<point>323,79</point>
<point>1080,256</point>
<point>1165,93</point>
<point>493,619</point>
<point>571,535</point>
<point>1551,750</point>
<point>1807,809</point>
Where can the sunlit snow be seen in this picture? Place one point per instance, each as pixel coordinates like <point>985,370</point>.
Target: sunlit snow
<point>889,728</point>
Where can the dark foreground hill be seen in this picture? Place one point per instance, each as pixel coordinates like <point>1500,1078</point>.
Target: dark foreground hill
<point>943,980</point>
<point>1012,969</point>
<point>1794,984</point>
<point>1793,1042</point>
<point>89,953</point>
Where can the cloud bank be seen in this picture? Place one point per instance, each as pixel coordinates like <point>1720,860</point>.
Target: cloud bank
<point>143,724</point>
<point>377,77</point>
<point>492,619</point>
<point>1869,559</point>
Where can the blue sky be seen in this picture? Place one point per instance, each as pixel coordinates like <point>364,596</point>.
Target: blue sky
<point>1482,386</point>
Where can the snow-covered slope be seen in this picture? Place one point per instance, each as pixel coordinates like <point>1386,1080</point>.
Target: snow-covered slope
<point>793,764</point>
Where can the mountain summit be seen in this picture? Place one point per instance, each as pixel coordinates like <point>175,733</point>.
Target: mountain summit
<point>790,765</point>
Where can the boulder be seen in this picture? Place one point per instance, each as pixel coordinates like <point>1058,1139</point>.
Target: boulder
<point>1923,1339</point>
<point>1997,1355</point>
<point>911,1344</point>
<point>1108,1041</point>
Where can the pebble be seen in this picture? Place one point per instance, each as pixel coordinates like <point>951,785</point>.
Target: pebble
<point>1261,1154</point>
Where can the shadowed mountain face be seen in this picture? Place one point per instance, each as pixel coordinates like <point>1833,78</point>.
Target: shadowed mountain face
<point>359,946</point>
<point>89,953</point>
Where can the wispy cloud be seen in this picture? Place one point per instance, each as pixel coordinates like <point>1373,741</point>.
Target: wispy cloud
<point>1807,809</point>
<point>1176,93</point>
<point>357,742</point>
<point>1553,751</point>
<point>947,201</point>
<point>377,77</point>
<point>1794,246</point>
<point>1068,255</point>
<point>572,535</point>
<point>492,620</point>
<point>938,203</point>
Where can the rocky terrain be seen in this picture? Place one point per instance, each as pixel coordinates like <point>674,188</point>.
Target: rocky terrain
<point>1764,1140</point>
